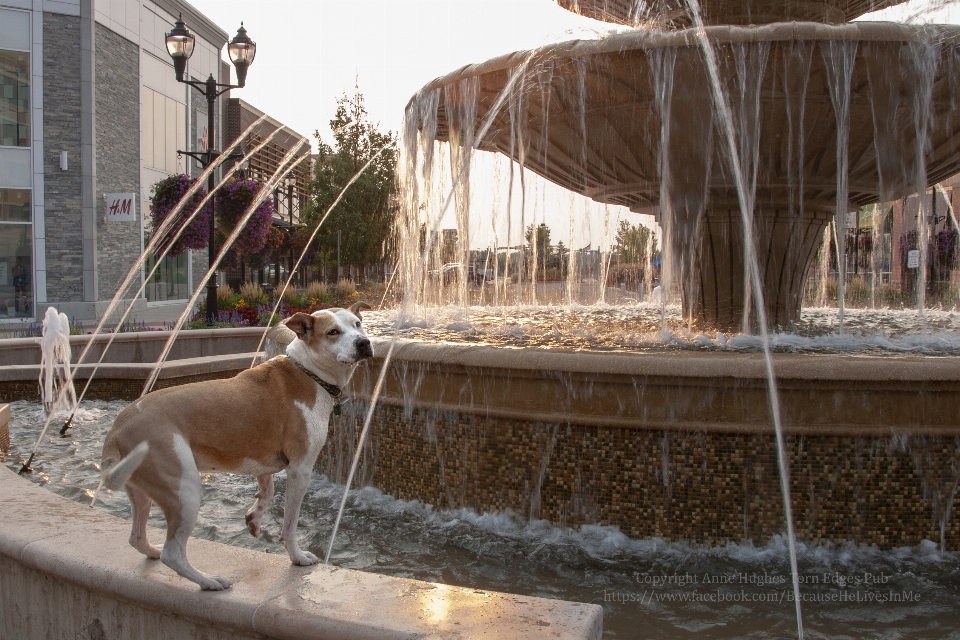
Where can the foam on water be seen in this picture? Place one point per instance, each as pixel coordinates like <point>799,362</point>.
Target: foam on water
<point>638,327</point>
<point>649,584</point>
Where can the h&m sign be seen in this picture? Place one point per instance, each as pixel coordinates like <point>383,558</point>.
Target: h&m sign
<point>121,207</point>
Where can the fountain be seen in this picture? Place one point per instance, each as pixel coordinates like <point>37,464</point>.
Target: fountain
<point>827,117</point>
<point>673,446</point>
<point>680,445</point>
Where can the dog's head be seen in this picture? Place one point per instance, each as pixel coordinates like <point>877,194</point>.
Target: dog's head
<point>331,338</point>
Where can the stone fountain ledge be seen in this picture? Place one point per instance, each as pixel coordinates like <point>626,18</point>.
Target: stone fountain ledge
<point>66,571</point>
<point>825,394</point>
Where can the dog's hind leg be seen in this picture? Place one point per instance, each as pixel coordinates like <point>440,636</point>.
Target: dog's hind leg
<point>140,503</point>
<point>181,510</point>
<point>297,481</point>
<point>264,497</point>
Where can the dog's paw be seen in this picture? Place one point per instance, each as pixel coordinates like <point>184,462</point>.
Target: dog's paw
<point>304,559</point>
<point>214,583</point>
<point>253,525</point>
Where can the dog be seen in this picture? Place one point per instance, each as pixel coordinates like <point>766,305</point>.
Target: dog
<point>264,420</point>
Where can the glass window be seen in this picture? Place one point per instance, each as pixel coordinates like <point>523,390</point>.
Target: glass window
<point>14,30</point>
<point>14,205</point>
<point>14,99</point>
<point>16,271</point>
<point>169,282</point>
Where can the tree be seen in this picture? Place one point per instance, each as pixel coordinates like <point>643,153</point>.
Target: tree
<point>632,243</point>
<point>365,214</point>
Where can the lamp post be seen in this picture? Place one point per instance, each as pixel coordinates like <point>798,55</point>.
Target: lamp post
<point>242,50</point>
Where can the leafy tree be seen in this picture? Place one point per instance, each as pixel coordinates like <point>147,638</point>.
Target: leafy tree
<point>365,213</point>
<point>632,243</point>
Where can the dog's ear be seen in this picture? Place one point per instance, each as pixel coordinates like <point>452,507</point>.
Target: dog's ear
<point>301,324</point>
<point>357,307</point>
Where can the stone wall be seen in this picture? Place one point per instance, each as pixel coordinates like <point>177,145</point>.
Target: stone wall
<point>118,154</point>
<point>61,132</point>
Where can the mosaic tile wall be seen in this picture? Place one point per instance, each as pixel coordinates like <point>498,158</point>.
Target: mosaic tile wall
<point>708,488</point>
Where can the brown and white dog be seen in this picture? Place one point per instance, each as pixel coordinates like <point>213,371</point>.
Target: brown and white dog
<point>264,420</point>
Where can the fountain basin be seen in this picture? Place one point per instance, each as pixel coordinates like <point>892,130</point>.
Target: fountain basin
<point>672,445</point>
<point>196,355</point>
<point>67,571</point>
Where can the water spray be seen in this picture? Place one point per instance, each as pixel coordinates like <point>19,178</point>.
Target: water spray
<point>163,254</point>
<point>726,119</point>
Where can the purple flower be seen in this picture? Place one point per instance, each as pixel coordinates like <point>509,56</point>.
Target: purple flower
<point>167,195</point>
<point>233,200</point>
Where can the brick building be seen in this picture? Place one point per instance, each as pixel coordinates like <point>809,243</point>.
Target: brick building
<point>91,116</point>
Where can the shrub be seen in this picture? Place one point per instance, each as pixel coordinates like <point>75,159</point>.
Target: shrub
<point>316,290</point>
<point>252,294</point>
<point>225,296</point>
<point>346,287</point>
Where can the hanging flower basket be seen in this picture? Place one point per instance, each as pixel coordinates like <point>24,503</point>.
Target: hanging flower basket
<point>263,257</point>
<point>166,196</point>
<point>233,200</point>
<point>947,243</point>
<point>297,240</point>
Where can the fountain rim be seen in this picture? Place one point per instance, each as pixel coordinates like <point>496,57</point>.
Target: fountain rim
<point>645,40</point>
<point>835,367</point>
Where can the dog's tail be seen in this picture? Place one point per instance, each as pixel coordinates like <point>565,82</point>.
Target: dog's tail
<point>116,475</point>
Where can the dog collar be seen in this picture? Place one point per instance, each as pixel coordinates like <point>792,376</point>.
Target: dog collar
<point>334,391</point>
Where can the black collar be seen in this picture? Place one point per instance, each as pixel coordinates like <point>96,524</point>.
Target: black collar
<point>334,391</point>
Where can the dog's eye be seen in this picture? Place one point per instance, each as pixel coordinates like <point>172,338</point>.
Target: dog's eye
<point>358,324</point>
<point>333,332</point>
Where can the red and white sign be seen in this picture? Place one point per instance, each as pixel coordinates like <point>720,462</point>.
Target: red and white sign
<point>121,207</point>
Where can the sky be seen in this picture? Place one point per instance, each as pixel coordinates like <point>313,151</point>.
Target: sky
<point>310,52</point>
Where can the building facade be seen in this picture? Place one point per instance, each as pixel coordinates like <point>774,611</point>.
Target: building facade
<point>91,116</point>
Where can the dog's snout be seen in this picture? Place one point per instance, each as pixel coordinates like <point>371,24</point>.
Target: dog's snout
<point>363,346</point>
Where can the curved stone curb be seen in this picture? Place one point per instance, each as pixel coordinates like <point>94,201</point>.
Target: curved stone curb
<point>66,571</point>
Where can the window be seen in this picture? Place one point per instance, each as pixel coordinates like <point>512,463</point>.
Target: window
<point>14,99</point>
<point>169,281</point>
<point>14,205</point>
<point>16,254</point>
<point>164,130</point>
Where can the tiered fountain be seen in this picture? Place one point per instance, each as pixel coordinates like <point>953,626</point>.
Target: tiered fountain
<point>827,116</point>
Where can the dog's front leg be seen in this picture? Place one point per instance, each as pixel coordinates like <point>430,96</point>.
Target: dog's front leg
<point>297,480</point>
<point>264,497</point>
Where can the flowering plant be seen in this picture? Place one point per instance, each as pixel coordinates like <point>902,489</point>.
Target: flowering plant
<point>233,200</point>
<point>263,257</point>
<point>947,240</point>
<point>297,240</point>
<point>166,196</point>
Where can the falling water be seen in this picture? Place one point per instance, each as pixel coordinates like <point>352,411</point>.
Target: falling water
<point>413,283</point>
<point>726,121</point>
<point>924,57</point>
<point>824,272</point>
<point>56,379</point>
<point>839,57</point>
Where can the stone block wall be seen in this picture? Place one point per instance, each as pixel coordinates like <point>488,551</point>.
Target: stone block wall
<point>61,132</point>
<point>118,154</point>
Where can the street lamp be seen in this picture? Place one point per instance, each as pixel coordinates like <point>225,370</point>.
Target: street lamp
<point>242,50</point>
